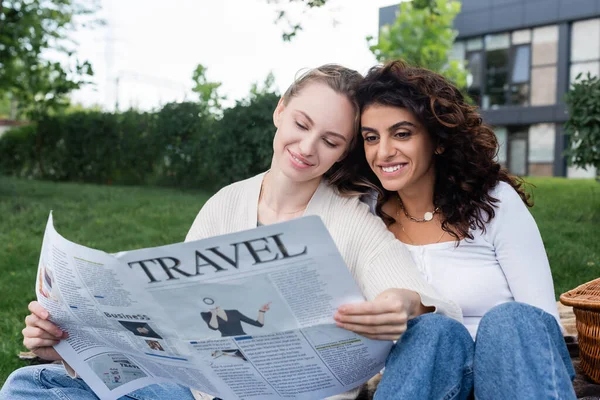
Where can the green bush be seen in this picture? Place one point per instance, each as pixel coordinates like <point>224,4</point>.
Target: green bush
<point>583,126</point>
<point>184,137</point>
<point>244,141</point>
<point>181,145</point>
<point>137,149</point>
<point>16,151</point>
<point>79,147</point>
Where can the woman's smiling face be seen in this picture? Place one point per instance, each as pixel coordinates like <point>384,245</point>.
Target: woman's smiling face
<point>314,130</point>
<point>397,146</point>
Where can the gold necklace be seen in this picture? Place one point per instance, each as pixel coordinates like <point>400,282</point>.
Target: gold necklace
<point>428,216</point>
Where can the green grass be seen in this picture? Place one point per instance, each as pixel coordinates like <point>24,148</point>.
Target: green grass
<point>567,212</point>
<point>120,218</point>
<point>102,217</point>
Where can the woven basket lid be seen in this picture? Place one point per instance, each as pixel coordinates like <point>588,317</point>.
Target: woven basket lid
<point>586,296</point>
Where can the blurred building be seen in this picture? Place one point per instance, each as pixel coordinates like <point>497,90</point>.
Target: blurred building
<point>522,55</point>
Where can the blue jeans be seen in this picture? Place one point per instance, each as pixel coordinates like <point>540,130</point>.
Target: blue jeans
<point>51,382</point>
<point>519,353</point>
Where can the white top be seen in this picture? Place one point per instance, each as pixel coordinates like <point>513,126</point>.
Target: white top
<point>376,259</point>
<point>506,263</point>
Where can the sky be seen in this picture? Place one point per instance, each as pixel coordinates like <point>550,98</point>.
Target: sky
<point>152,47</point>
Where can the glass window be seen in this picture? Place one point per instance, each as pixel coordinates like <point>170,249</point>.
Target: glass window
<point>501,134</point>
<point>583,68</point>
<point>474,75</point>
<point>496,77</point>
<point>543,86</point>
<point>521,37</point>
<point>585,40</point>
<point>458,51</point>
<point>541,143</point>
<point>545,45</point>
<point>474,44</point>
<point>517,153</point>
<point>519,94</point>
<point>495,42</point>
<point>520,66</point>
<point>519,75</point>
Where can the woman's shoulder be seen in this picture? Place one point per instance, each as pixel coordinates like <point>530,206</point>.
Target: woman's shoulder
<point>352,216</point>
<point>506,195</point>
<point>510,212</point>
<point>239,187</point>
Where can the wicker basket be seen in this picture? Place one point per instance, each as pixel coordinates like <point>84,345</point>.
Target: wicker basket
<point>585,300</point>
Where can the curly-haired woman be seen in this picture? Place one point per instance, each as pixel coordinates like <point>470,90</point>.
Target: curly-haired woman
<point>439,188</point>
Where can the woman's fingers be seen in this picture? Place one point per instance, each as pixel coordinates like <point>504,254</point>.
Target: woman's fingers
<point>373,319</point>
<point>34,332</point>
<point>38,343</point>
<point>380,306</point>
<point>34,321</point>
<point>37,309</point>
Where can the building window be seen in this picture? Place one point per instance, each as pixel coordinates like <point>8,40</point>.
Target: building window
<point>543,65</point>
<point>526,150</point>
<point>541,149</point>
<point>519,75</point>
<point>475,75</point>
<point>585,48</point>
<point>513,68</point>
<point>496,70</point>
<point>501,135</point>
<point>517,151</point>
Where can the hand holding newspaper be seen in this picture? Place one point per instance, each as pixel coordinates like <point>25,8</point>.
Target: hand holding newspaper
<point>247,315</point>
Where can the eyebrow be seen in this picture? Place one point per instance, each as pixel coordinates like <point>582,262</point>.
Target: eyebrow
<point>391,128</point>
<point>338,135</point>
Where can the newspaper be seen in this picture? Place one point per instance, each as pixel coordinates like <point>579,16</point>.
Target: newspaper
<point>240,316</point>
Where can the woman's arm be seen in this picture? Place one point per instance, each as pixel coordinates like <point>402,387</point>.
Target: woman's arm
<point>261,313</point>
<point>386,274</point>
<point>259,322</point>
<point>520,251</point>
<point>383,262</point>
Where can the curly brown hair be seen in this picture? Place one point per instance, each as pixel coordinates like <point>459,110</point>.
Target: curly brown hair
<point>466,170</point>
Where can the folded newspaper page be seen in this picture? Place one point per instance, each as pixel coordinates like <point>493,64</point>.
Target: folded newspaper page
<point>240,316</point>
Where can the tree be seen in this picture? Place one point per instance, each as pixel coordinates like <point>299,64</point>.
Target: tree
<point>266,87</point>
<point>583,126</point>
<point>43,88</point>
<point>208,92</point>
<point>422,35</point>
<point>28,28</point>
<point>293,26</point>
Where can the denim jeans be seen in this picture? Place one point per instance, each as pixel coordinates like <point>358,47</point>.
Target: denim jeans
<point>51,382</point>
<point>519,353</point>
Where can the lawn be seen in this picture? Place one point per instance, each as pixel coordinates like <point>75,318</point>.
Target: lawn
<point>119,218</point>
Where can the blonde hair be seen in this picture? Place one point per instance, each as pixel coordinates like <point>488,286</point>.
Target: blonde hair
<point>343,81</point>
<point>340,79</point>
